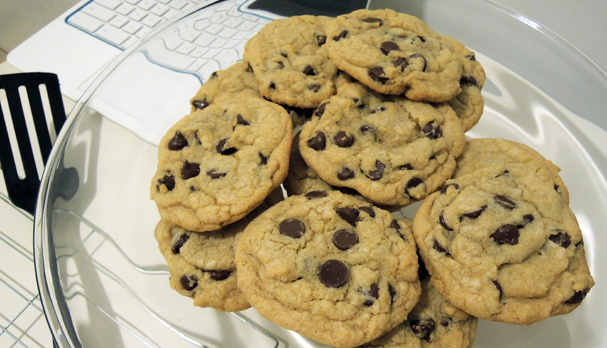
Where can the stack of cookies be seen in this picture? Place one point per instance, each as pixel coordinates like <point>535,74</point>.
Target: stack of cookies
<point>358,116</point>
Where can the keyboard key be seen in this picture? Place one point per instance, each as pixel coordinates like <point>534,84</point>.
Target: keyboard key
<point>227,33</point>
<point>138,14</point>
<point>132,27</point>
<point>159,9</point>
<point>99,12</point>
<point>219,17</point>
<point>249,17</point>
<point>201,24</point>
<point>226,58</point>
<point>230,43</point>
<point>198,63</point>
<point>172,40</point>
<point>218,42</point>
<point>129,42</point>
<point>233,12</point>
<point>232,22</point>
<point>143,31</point>
<point>113,35</point>
<point>185,48</point>
<point>240,48</point>
<point>198,52</point>
<point>132,2</point>
<point>111,4</point>
<point>164,1</point>
<point>247,25</point>
<point>151,21</point>
<point>159,54</point>
<point>178,4</point>
<point>188,32</point>
<point>125,9</point>
<point>241,35</point>
<point>208,68</point>
<point>204,40</point>
<point>214,28</point>
<point>212,52</point>
<point>146,4</point>
<point>86,22</point>
<point>170,13</point>
<point>119,21</point>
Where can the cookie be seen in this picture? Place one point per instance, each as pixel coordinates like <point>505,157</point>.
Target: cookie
<point>219,163</point>
<point>330,267</point>
<point>390,149</point>
<point>224,84</point>
<point>433,322</point>
<point>290,61</point>
<point>202,264</point>
<point>485,152</point>
<point>395,53</point>
<point>469,103</point>
<point>502,245</point>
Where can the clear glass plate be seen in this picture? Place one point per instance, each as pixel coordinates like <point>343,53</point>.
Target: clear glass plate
<point>103,282</point>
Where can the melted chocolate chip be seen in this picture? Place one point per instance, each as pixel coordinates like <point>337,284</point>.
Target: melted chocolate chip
<point>561,238</point>
<point>179,243</point>
<point>214,175</point>
<point>505,202</point>
<point>395,225</point>
<point>314,87</point>
<point>225,152</point>
<point>321,39</point>
<point>378,173</point>
<point>443,223</point>
<point>577,297</point>
<point>388,46</point>
<point>340,36</point>
<point>368,210</point>
<point>333,274</point>
<point>438,247</point>
<point>178,142</point>
<point>446,187</point>
<point>292,227</point>
<point>342,139</point>
<point>506,234</point>
<point>315,194</point>
<point>348,214</point>
<point>189,283</point>
<point>400,62</point>
<point>308,70</point>
<point>345,173</point>
<point>417,55</point>
<point>263,160</point>
<point>468,80</point>
<point>373,20</point>
<point>375,74</point>
<point>320,109</point>
<point>432,130</point>
<point>527,219</point>
<point>200,104</point>
<point>412,183</point>
<point>241,121</point>
<point>392,293</point>
<point>423,328</point>
<point>344,239</point>
<point>272,85</point>
<point>476,213</point>
<point>317,142</point>
<point>190,170</point>
<point>219,275</point>
<point>168,180</point>
<point>373,292</point>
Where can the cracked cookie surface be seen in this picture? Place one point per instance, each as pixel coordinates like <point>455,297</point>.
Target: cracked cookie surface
<point>502,245</point>
<point>290,61</point>
<point>330,267</point>
<point>219,163</point>
<point>391,150</point>
<point>395,53</point>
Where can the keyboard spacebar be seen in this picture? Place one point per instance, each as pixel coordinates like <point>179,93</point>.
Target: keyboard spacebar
<point>159,54</point>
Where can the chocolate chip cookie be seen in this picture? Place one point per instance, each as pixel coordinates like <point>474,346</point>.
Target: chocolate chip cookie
<point>395,53</point>
<point>501,245</point>
<point>330,267</point>
<point>290,61</point>
<point>219,163</point>
<point>392,150</point>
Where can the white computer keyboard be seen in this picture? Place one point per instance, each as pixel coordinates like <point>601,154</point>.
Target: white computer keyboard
<point>212,39</point>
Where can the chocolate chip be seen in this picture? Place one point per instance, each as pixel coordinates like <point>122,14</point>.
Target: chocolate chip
<point>219,275</point>
<point>214,175</point>
<point>315,194</point>
<point>443,223</point>
<point>446,187</point>
<point>317,142</point>
<point>444,323</point>
<point>373,20</point>
<point>392,293</point>
<point>421,38</point>
<point>577,297</point>
<point>438,247</point>
<point>476,213</point>
<point>366,128</point>
<point>241,121</point>
<point>381,108</point>
<point>314,87</point>
<point>178,142</point>
<point>344,239</point>
<point>468,80</point>
<point>423,328</point>
<point>308,70</point>
<point>417,55</point>
<point>214,75</point>
<point>342,139</point>
<point>378,173</point>
<point>499,287</point>
<point>280,65</point>
<point>249,68</point>
<point>272,85</point>
<point>368,303</point>
<point>333,274</point>
<point>200,104</point>
<point>292,227</point>
<point>225,152</point>
<point>190,170</point>
<point>320,109</point>
<point>561,238</point>
<point>375,74</point>
<point>345,173</point>
<point>263,160</point>
<point>321,39</point>
<point>503,173</point>
<point>400,62</point>
<point>432,130</point>
<point>368,210</point>
<point>167,180</point>
<point>527,219</point>
<point>341,35</point>
<point>348,214</point>
<point>412,183</point>
<point>505,202</point>
<point>179,243</point>
<point>189,283</point>
<point>406,166</point>
<point>507,233</point>
<point>374,291</point>
<point>556,187</point>
<point>395,225</point>
<point>471,57</point>
<point>284,54</point>
<point>388,46</point>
